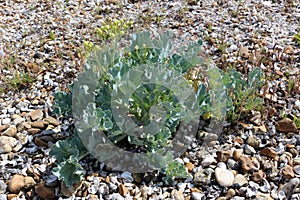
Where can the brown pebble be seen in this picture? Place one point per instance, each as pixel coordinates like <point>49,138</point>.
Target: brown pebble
<point>286,125</point>
<point>36,114</point>
<point>244,52</point>
<point>44,192</point>
<point>33,131</point>
<point>288,172</point>
<point>38,124</point>
<point>237,154</point>
<point>223,156</point>
<point>123,190</point>
<point>267,151</point>
<point>189,166</point>
<point>230,193</point>
<point>3,127</point>
<point>19,182</point>
<point>258,176</point>
<point>52,121</point>
<point>40,143</point>
<point>11,196</point>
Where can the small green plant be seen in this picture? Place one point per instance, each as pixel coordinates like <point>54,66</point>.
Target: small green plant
<point>243,92</point>
<point>113,29</point>
<point>297,121</point>
<point>297,38</point>
<point>51,35</point>
<point>18,81</point>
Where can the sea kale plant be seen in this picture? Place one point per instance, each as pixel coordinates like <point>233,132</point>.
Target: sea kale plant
<point>138,108</point>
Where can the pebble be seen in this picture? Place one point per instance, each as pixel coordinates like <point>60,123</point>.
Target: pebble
<point>288,172</point>
<point>297,169</point>
<point>208,161</point>
<point>6,121</point>
<point>203,176</point>
<point>19,182</point>
<point>198,196</point>
<point>3,127</point>
<point>289,187</point>
<point>223,156</point>
<point>123,190</point>
<point>286,125</point>
<point>6,144</point>
<point>52,121</point>
<point>44,192</point>
<point>11,131</point>
<point>240,180</point>
<point>224,177</point>
<point>3,186</point>
<point>249,149</point>
<point>269,152</point>
<point>36,114</point>
<point>258,176</point>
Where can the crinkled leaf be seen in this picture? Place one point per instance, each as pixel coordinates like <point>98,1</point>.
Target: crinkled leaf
<point>62,104</point>
<point>70,171</point>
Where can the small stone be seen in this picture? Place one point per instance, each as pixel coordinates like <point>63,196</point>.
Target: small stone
<point>248,164</point>
<point>238,140</point>
<point>297,169</point>
<point>44,192</point>
<point>244,52</point>
<point>33,131</point>
<point>18,119</point>
<point>40,143</point>
<point>198,196</point>
<point>286,125</point>
<point>249,149</point>
<point>38,124</point>
<point>240,180</point>
<point>93,197</point>
<point>6,121</point>
<point>3,127</point>
<point>232,164</point>
<point>288,172</point>
<point>237,153</point>
<point>214,4</point>
<point>3,187</point>
<point>11,196</point>
<point>267,151</point>
<point>11,131</point>
<point>19,182</point>
<point>52,121</point>
<point>26,125</point>
<point>189,166</point>
<point>262,196</point>
<point>252,141</point>
<point>289,188</point>
<point>258,176</point>
<point>36,114</point>
<point>6,144</point>
<point>289,50</point>
<point>223,156</point>
<point>35,102</point>
<point>203,176</point>
<point>177,195</point>
<point>123,190</point>
<point>230,193</point>
<point>208,161</point>
<point>224,177</point>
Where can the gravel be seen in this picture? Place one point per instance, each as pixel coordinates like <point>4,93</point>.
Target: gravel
<point>45,39</point>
